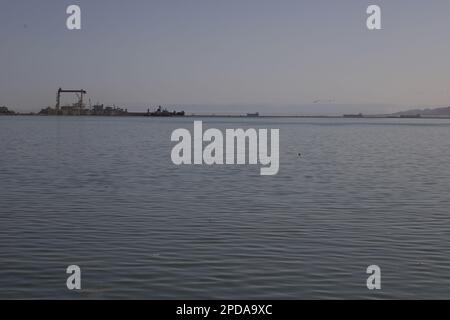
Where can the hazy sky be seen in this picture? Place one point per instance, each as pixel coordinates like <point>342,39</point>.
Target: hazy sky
<point>227,52</point>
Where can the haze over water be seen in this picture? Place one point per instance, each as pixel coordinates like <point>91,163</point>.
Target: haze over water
<point>103,193</point>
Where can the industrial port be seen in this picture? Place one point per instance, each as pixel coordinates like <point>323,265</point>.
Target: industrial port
<point>80,108</point>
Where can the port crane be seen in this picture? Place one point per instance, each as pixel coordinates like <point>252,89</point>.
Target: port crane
<point>79,94</point>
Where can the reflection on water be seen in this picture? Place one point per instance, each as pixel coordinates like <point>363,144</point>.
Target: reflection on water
<point>103,193</point>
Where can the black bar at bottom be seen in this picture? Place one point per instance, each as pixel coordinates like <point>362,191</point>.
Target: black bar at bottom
<point>227,309</point>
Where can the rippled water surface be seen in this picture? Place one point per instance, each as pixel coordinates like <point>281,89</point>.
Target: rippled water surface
<point>102,193</point>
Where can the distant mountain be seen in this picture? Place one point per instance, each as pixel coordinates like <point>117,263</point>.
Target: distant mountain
<point>425,112</point>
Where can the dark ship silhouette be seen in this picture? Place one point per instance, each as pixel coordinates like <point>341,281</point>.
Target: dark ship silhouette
<point>164,113</point>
